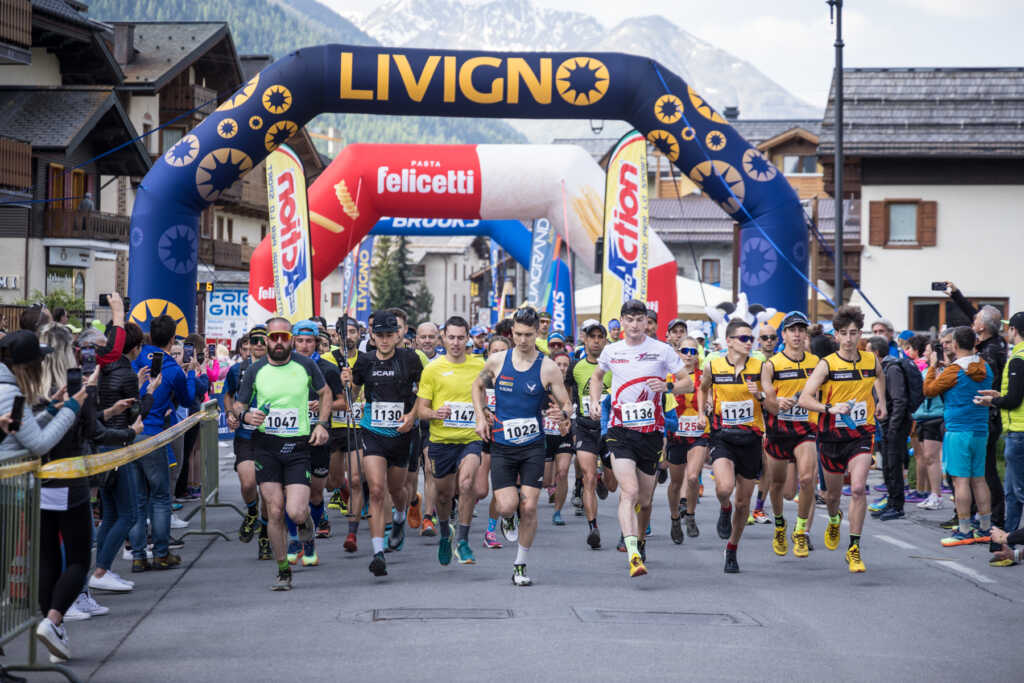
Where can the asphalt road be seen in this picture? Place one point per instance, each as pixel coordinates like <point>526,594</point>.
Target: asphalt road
<point>920,612</point>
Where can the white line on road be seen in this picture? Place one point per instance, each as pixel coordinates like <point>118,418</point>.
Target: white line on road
<point>896,542</point>
<point>967,571</point>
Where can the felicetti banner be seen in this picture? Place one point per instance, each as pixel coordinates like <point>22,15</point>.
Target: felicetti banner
<point>626,230</point>
<point>289,235</point>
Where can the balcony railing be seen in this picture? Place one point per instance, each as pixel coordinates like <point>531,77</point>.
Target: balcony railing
<point>15,164</point>
<point>181,98</point>
<point>89,225</point>
<point>220,254</point>
<point>247,250</point>
<point>16,22</point>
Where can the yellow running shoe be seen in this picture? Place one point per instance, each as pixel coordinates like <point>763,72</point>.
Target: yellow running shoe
<point>832,534</point>
<point>636,566</point>
<point>800,548</point>
<point>853,558</point>
<point>779,544</point>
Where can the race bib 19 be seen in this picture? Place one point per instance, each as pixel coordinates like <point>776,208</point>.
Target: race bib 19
<point>386,415</point>
<point>639,414</point>
<point>737,412</point>
<point>462,416</point>
<point>520,429</point>
<point>282,422</point>
<point>859,412</point>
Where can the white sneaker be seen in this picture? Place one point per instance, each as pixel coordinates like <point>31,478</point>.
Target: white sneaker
<point>932,502</point>
<point>54,638</point>
<point>75,612</point>
<point>178,522</point>
<point>109,582</point>
<point>87,603</point>
<point>121,578</point>
<point>128,555</point>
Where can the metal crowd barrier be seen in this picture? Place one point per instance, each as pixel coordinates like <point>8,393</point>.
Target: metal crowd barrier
<point>20,474</point>
<point>209,475</point>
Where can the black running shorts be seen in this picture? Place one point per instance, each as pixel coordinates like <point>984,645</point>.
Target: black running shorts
<point>835,456</point>
<point>394,449</point>
<point>511,465</point>
<point>679,450</point>
<point>642,448</point>
<point>281,460</point>
<point>783,446</point>
<point>744,452</point>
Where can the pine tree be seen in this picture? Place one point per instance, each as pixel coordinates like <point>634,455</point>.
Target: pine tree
<point>422,304</point>
<point>391,275</point>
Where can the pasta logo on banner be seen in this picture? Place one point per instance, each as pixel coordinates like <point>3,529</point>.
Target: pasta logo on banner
<point>289,235</point>
<point>626,227</point>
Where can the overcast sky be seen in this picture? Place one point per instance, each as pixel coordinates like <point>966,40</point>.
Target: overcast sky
<point>791,40</point>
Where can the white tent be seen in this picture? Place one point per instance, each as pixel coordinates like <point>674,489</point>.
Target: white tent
<point>688,296</point>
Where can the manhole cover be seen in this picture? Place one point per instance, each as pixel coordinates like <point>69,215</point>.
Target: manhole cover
<point>438,613</point>
<point>663,618</point>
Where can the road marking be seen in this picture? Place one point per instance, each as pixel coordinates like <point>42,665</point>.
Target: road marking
<point>896,542</point>
<point>967,571</point>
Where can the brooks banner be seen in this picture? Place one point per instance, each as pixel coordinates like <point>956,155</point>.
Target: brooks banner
<point>363,267</point>
<point>289,235</point>
<point>624,268</point>
<point>542,257</point>
<point>561,306</point>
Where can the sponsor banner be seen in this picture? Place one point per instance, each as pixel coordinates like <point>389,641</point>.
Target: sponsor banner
<point>494,293</point>
<point>289,235</point>
<point>363,305</point>
<point>227,313</point>
<point>561,307</point>
<point>348,282</point>
<point>542,256</point>
<point>624,269</point>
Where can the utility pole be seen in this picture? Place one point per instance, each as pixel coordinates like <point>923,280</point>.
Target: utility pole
<point>836,13</point>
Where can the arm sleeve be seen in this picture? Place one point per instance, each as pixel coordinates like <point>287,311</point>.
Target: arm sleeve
<point>333,379</point>
<point>896,387</point>
<point>114,347</point>
<point>246,386</point>
<point>963,304</point>
<point>145,405</point>
<point>415,366</point>
<point>1014,386</point>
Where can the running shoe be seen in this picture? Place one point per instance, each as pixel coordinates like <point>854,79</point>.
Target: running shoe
<point>519,577</point>
<point>323,529</point>
<point>283,581</point>
<point>916,496</point>
<point>847,491</point>
<point>444,551</point>
<point>176,506</point>
<point>1002,561</point>
<point>378,567</point>
<point>428,527</point>
<point>510,529</point>
<point>307,530</point>
<point>647,531</point>
<point>779,543</point>
<point>577,493</point>
<point>932,502</point>
<point>621,546</point>
<point>602,489</point>
<point>309,556</point>
<point>983,537</point>
<point>294,552</point>
<point>350,544</point>
<point>801,543</point>
<point>853,559</point>
<point>750,519</point>
<point>464,554</point>
<point>880,488</point>
<point>641,545</point>
<point>108,582</point>
<point>87,603</point>
<point>177,522</point>
<point>731,565</point>
<point>248,527</point>
<point>491,540</point>
<point>594,539</point>
<point>556,518</point>
<point>951,523</point>
<point>396,539</point>
<point>168,561</point>
<point>415,515</point>
<point>832,533</point>
<point>55,638</point>
<point>946,489</point>
<point>960,538</point>
<point>551,495</point>
<point>676,531</point>
<point>682,505</point>
<point>662,475</point>
<point>335,502</point>
<point>724,526</point>
<point>819,500</point>
<point>761,517</point>
<point>636,566</point>
<point>700,491</point>
<point>889,514</point>
<point>691,527</point>
<point>878,506</point>
<point>263,551</point>
<point>74,613</point>
<point>365,512</point>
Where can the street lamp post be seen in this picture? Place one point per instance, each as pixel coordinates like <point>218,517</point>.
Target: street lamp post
<point>836,12</point>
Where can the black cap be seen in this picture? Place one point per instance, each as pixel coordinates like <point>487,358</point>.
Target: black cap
<point>22,346</point>
<point>676,321</point>
<point>383,322</point>
<point>652,314</point>
<point>1017,322</point>
<point>793,319</point>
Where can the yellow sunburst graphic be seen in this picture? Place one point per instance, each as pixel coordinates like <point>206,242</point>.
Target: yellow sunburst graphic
<point>219,170</point>
<point>146,310</point>
<point>278,134</point>
<point>255,122</point>
<point>581,80</point>
<point>277,99</point>
<point>715,140</point>
<point>703,107</point>
<point>757,166</point>
<point>707,170</point>
<point>242,96</point>
<point>665,142</point>
<point>348,205</point>
<point>227,129</point>
<point>183,152</point>
<point>668,109</point>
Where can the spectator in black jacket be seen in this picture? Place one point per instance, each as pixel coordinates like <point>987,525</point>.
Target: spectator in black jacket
<point>895,427</point>
<point>987,322</point>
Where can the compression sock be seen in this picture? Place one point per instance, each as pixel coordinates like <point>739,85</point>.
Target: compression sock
<point>316,511</point>
<point>521,554</point>
<point>353,527</point>
<point>282,565</point>
<point>293,531</point>
<point>985,522</point>
<point>462,533</point>
<point>854,539</point>
<point>492,525</point>
<point>727,508</point>
<point>834,519</point>
<point>398,516</point>
<point>592,523</point>
<point>378,544</point>
<point>801,524</point>
<point>446,529</point>
<point>631,545</point>
<point>965,525</point>
<point>780,520</point>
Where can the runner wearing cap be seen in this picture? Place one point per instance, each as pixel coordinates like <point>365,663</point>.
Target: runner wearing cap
<point>479,335</point>
<point>652,323</point>
<point>587,429</point>
<point>279,386</point>
<point>542,331</point>
<point>556,343</point>
<point>676,332</point>
<point>790,432</point>
<point>639,365</point>
<point>388,376</point>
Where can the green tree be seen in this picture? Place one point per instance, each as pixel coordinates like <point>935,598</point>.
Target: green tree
<point>422,304</point>
<point>391,275</point>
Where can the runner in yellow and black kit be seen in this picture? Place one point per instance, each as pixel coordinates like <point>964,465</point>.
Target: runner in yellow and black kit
<point>848,381</point>
<point>791,431</point>
<point>687,448</point>
<point>737,426</point>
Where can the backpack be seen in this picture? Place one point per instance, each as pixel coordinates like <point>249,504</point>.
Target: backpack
<point>915,384</point>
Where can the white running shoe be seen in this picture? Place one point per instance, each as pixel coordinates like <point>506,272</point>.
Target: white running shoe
<point>510,529</point>
<point>128,555</point>
<point>121,578</point>
<point>54,637</point>
<point>109,582</point>
<point>932,502</point>
<point>177,522</point>
<point>87,603</point>
<point>75,612</point>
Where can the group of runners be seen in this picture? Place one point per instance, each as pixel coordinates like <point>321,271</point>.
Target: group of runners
<point>353,426</point>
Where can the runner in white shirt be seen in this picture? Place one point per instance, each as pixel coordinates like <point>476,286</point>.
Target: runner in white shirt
<point>636,426</point>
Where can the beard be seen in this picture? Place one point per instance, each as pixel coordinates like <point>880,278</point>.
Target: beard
<point>279,353</point>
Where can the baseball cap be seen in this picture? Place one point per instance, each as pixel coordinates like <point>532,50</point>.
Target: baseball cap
<point>1016,321</point>
<point>905,335</point>
<point>652,314</point>
<point>676,321</point>
<point>22,346</point>
<point>305,328</point>
<point>556,336</point>
<point>544,315</point>
<point>383,321</point>
<point>590,323</point>
<point>793,319</point>
<point>476,330</point>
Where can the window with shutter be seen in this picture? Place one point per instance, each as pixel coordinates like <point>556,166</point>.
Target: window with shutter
<point>878,228</point>
<point>927,218</point>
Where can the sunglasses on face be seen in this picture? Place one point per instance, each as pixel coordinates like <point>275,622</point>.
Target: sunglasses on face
<point>688,351</point>
<point>745,338</point>
<point>258,341</point>
<point>768,337</point>
<point>280,337</point>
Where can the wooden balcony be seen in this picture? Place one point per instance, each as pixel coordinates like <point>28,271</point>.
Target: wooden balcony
<point>220,254</point>
<point>15,31</point>
<point>247,250</point>
<point>86,225</point>
<point>178,98</point>
<point>254,188</point>
<point>15,164</point>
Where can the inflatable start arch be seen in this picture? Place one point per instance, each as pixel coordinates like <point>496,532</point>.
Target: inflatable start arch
<point>272,106</point>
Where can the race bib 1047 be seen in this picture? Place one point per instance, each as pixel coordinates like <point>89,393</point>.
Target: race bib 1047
<point>282,422</point>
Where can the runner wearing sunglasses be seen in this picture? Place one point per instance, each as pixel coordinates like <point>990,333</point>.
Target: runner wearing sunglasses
<point>687,449</point>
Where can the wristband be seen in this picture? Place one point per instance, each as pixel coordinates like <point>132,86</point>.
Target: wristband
<point>828,408</point>
<point>670,386</point>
